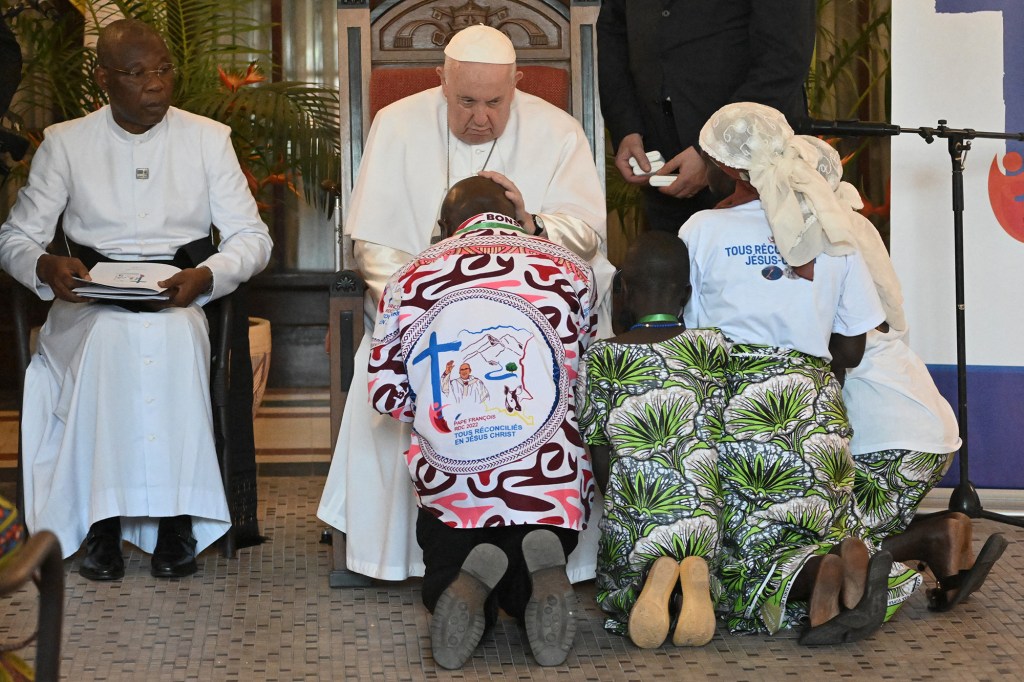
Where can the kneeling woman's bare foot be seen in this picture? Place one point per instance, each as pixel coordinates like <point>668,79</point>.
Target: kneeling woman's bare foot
<point>855,556</point>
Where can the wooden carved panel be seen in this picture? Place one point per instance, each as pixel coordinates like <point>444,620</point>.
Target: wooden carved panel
<point>416,32</point>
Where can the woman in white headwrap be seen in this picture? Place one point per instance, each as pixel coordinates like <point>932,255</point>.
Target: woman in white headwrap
<point>774,266</point>
<point>905,433</point>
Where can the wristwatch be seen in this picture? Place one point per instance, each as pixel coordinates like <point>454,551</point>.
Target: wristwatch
<point>539,223</point>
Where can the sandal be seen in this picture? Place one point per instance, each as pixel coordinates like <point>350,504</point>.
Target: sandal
<point>862,620</point>
<point>955,588</point>
<point>696,623</point>
<point>649,617</point>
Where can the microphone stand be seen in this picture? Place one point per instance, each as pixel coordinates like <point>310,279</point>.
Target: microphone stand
<point>964,497</point>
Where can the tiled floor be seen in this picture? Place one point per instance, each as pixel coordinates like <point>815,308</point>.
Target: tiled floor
<point>268,614</point>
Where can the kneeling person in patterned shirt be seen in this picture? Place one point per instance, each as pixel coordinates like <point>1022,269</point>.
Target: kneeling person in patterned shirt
<point>504,487</point>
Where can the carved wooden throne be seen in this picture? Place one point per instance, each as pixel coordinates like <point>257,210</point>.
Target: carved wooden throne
<point>388,49</point>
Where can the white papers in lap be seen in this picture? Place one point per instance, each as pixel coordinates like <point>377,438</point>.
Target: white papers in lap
<point>126,281</point>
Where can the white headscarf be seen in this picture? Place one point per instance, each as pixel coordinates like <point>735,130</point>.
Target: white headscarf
<point>805,217</point>
<point>865,235</point>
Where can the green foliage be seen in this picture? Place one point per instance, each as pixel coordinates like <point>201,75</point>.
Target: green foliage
<point>281,131</point>
<point>851,57</point>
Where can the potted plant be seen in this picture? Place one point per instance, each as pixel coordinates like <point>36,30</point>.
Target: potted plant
<point>285,132</point>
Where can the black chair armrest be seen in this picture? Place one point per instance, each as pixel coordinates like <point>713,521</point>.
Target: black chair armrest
<point>345,329</point>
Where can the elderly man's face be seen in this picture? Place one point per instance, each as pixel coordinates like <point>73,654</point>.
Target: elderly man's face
<point>479,99</point>
<point>137,102</point>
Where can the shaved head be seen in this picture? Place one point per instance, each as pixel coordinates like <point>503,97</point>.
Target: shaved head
<point>470,197</point>
<point>657,265</point>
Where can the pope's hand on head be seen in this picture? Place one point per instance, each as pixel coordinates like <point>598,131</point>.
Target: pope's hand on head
<point>185,286</point>
<point>693,175</point>
<point>59,272</point>
<point>515,196</point>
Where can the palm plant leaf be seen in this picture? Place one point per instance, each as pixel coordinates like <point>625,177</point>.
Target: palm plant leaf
<point>283,125</point>
<point>278,128</point>
<point>57,72</point>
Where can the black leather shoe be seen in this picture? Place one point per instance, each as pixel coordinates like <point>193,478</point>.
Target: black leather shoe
<point>103,559</point>
<point>175,553</point>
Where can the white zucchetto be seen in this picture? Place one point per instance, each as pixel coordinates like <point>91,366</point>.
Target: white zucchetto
<point>481,44</point>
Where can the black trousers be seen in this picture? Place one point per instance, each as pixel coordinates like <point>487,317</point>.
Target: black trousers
<point>446,548</point>
<point>665,213</point>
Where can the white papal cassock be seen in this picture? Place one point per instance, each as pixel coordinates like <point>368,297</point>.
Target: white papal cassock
<point>411,160</point>
<point>117,418</point>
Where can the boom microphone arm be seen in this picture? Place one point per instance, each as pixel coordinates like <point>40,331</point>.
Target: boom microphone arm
<point>812,126</point>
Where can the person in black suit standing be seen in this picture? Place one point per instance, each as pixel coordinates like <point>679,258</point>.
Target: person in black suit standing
<point>665,66</point>
<point>10,65</point>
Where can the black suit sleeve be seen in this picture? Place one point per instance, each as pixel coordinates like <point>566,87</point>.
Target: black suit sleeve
<point>10,65</point>
<point>782,34</point>
<point>619,98</point>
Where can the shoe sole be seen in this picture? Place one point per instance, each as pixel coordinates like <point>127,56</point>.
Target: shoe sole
<point>550,617</point>
<point>183,571</point>
<point>101,577</point>
<point>649,617</point>
<point>974,577</point>
<point>696,624</point>
<point>458,621</point>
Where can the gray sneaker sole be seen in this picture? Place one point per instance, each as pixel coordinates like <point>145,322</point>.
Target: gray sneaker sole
<point>458,621</point>
<point>551,612</point>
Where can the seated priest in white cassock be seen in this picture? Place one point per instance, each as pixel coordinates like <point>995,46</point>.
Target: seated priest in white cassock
<point>117,430</point>
<point>475,122</point>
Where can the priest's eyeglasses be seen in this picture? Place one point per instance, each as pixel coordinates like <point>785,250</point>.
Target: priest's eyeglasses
<point>164,72</point>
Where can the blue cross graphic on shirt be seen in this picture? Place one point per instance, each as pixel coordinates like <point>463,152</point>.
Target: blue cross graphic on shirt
<point>431,352</point>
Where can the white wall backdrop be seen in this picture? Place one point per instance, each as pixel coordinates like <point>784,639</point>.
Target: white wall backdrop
<point>948,62</point>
